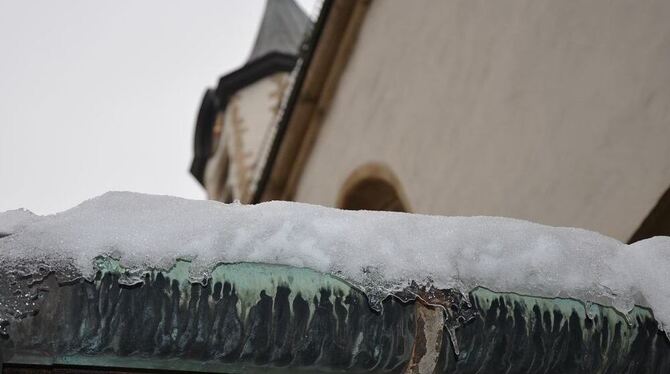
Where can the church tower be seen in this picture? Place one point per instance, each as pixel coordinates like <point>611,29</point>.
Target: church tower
<point>234,124</point>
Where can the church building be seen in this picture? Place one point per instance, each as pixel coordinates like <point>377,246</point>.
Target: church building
<point>550,111</point>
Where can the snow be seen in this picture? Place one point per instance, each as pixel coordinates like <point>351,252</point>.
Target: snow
<point>380,252</point>
<point>12,220</point>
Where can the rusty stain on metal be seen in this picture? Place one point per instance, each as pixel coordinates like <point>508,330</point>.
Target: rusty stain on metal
<point>427,339</point>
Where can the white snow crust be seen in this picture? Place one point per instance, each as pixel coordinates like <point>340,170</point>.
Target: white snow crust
<point>380,251</point>
<point>12,220</point>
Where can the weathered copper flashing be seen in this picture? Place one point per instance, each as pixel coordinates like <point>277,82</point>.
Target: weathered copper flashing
<point>269,318</point>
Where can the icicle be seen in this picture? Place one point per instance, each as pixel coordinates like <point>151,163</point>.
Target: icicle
<point>451,330</point>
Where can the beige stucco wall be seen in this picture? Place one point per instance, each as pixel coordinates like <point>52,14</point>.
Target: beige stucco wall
<point>552,111</point>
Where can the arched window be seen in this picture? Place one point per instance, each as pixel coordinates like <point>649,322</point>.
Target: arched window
<point>373,187</point>
<point>657,222</point>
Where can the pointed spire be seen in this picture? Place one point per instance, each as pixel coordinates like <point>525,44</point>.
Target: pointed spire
<point>282,29</point>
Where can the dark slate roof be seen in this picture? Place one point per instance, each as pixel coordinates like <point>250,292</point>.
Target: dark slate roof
<point>282,29</point>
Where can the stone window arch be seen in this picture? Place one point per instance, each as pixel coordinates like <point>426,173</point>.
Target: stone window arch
<point>373,186</point>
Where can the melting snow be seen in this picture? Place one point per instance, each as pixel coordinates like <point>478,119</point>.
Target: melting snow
<point>381,252</point>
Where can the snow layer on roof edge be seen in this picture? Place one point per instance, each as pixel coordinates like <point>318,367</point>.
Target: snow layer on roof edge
<point>379,251</point>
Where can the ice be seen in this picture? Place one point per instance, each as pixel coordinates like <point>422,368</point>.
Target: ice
<point>380,252</point>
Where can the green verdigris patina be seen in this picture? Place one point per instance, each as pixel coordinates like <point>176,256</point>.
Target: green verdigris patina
<point>259,317</point>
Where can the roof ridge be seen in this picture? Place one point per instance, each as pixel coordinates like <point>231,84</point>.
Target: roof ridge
<point>282,29</point>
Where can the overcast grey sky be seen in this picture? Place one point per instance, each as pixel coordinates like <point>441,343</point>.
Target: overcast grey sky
<point>102,95</point>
